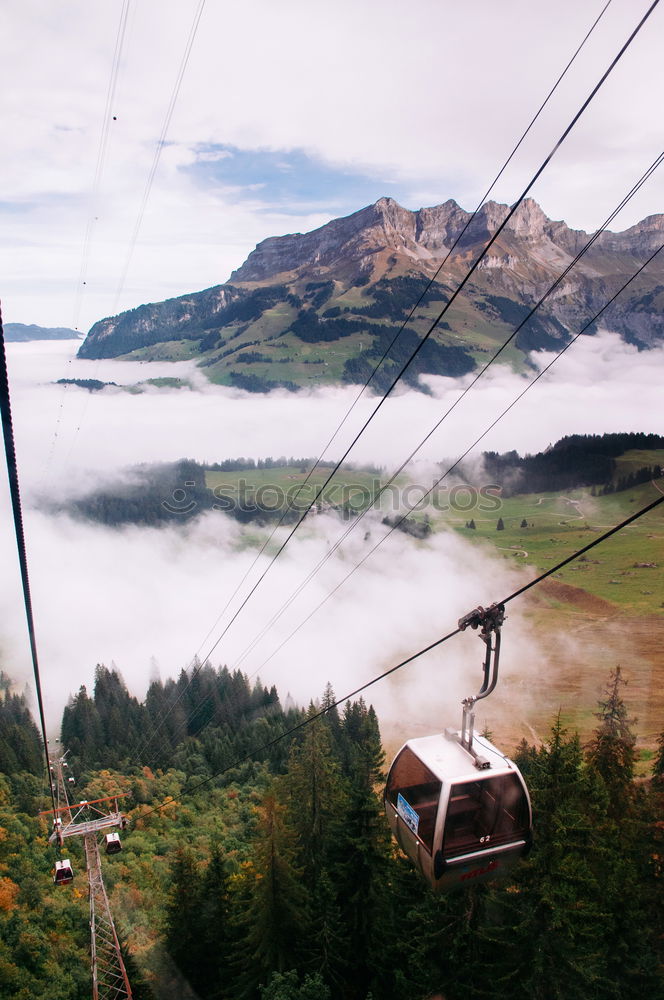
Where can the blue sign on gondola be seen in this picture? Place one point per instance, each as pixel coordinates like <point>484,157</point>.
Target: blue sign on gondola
<point>407,813</point>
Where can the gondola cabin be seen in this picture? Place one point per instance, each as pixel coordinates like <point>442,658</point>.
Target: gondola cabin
<point>63,872</point>
<point>57,830</point>
<point>113,844</point>
<point>71,781</point>
<point>459,823</point>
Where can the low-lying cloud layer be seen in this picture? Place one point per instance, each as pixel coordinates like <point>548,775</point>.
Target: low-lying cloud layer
<point>125,596</point>
<point>63,434</point>
<point>128,596</point>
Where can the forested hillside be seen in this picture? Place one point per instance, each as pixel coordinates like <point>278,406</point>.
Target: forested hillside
<point>276,879</point>
<point>576,460</point>
<point>281,489</point>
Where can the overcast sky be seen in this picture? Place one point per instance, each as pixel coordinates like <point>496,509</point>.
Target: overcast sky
<point>290,114</point>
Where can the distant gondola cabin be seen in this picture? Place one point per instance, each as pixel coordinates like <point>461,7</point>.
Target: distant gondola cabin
<point>458,824</point>
<point>113,844</point>
<point>63,872</point>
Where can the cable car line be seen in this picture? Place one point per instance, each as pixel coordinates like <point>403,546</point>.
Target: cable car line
<point>17,514</point>
<point>473,267</point>
<point>87,239</point>
<point>101,154</point>
<point>409,510</point>
<point>355,522</point>
<point>401,519</point>
<point>161,141</point>
<point>440,479</point>
<point>291,502</point>
<point>434,324</point>
<point>433,645</point>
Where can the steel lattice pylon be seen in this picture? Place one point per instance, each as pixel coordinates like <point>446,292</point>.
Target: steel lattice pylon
<point>109,976</point>
<point>87,820</point>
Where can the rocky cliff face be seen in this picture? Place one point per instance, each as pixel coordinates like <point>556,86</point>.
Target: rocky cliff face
<point>352,282</point>
<point>429,234</point>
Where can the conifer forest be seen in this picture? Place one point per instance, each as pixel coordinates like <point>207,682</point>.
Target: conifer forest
<point>276,878</point>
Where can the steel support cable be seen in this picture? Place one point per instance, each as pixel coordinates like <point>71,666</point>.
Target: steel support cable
<point>359,518</point>
<point>291,502</point>
<point>435,323</point>
<point>148,186</point>
<point>459,289</point>
<point>17,513</point>
<point>87,239</point>
<point>356,521</point>
<point>458,461</point>
<point>101,154</point>
<point>363,687</point>
<point>161,141</point>
<point>434,486</point>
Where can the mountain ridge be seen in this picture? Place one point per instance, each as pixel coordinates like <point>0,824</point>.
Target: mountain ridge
<point>23,332</point>
<point>323,306</point>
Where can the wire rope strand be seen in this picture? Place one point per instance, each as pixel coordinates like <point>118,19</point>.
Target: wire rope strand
<point>161,141</point>
<point>354,524</point>
<point>291,502</point>
<point>17,513</point>
<point>625,200</point>
<point>437,320</point>
<point>437,482</point>
<point>148,188</point>
<point>474,266</point>
<point>101,154</point>
<point>363,687</point>
<point>87,239</point>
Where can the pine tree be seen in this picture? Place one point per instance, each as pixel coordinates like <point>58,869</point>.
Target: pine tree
<point>546,937</point>
<point>82,731</point>
<point>184,918</point>
<point>360,866</point>
<point>314,794</point>
<point>285,986</point>
<point>272,911</point>
<point>611,750</point>
<point>20,743</point>
<point>215,924</point>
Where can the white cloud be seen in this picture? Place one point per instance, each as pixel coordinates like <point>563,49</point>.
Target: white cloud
<point>125,596</point>
<point>128,595</point>
<point>600,384</point>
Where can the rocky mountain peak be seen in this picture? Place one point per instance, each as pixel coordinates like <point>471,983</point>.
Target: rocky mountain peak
<point>352,280</point>
<point>424,234</point>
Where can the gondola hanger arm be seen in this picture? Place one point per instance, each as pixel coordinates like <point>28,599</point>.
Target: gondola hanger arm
<point>489,621</point>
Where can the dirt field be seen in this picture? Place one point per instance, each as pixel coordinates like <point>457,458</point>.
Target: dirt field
<point>581,639</point>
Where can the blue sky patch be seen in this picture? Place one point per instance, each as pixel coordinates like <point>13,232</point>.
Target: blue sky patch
<point>289,180</point>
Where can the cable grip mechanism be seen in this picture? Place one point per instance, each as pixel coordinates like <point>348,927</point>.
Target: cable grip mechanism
<point>489,621</point>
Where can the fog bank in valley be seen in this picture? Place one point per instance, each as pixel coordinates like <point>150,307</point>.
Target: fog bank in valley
<point>128,595</point>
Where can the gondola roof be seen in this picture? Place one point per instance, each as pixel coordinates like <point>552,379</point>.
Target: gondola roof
<point>448,761</point>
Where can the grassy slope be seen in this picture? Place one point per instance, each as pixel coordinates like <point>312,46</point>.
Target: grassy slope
<point>349,485</point>
<point>593,615</point>
<point>561,523</point>
<point>558,524</point>
<point>306,364</point>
